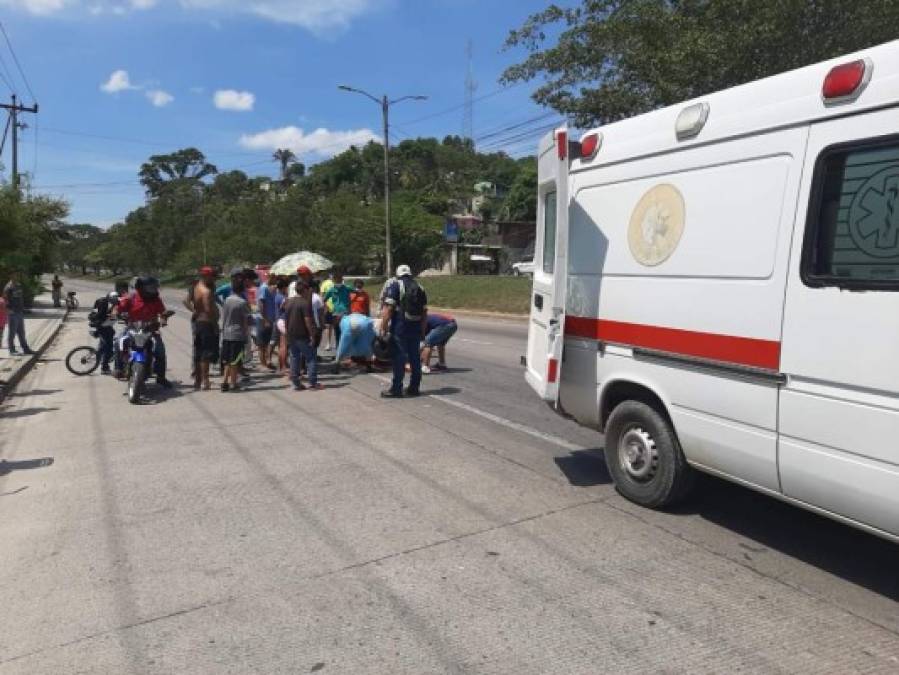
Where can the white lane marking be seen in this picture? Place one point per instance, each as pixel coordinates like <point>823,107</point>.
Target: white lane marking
<point>474,342</point>
<point>496,419</point>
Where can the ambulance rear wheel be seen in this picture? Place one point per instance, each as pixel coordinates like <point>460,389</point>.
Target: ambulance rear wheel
<point>644,456</point>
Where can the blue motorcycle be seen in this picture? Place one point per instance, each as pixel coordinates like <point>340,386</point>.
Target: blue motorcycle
<point>138,347</point>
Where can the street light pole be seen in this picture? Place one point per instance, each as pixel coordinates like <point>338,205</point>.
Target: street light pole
<point>385,104</point>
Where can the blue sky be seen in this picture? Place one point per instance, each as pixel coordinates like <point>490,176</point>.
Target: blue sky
<point>237,78</point>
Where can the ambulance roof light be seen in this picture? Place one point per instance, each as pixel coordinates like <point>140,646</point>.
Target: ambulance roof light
<point>691,120</point>
<point>846,81</point>
<point>590,145</point>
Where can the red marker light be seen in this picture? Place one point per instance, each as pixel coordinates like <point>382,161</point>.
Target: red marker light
<point>552,371</point>
<point>562,144</point>
<point>845,81</point>
<point>590,145</point>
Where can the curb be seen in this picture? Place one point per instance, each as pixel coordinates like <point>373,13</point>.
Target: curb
<point>9,386</point>
<point>482,315</point>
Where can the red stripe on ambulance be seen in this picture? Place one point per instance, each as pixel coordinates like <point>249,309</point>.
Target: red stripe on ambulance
<point>742,351</point>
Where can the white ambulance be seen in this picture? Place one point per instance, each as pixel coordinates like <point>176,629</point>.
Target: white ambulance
<point>716,288</point>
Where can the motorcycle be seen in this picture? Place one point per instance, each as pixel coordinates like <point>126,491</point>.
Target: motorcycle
<point>138,353</point>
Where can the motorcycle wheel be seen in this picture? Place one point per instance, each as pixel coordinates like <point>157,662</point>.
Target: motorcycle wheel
<point>82,360</point>
<point>136,382</point>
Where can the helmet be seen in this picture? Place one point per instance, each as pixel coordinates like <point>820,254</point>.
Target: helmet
<point>113,297</point>
<point>147,288</point>
<point>381,347</point>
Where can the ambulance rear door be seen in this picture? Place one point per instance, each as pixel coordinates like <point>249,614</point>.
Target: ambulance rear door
<point>547,314</point>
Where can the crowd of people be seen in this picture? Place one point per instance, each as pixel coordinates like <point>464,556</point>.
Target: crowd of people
<point>285,321</point>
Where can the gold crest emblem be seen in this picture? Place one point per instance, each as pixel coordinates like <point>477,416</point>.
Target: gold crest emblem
<point>657,224</point>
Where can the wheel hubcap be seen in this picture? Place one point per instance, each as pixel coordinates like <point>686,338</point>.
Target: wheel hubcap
<point>638,455</point>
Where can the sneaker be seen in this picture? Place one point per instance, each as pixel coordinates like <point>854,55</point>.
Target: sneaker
<point>13,352</point>
<point>389,393</point>
<point>318,386</point>
<point>299,386</point>
<point>226,387</point>
<point>105,371</point>
<point>426,370</point>
<point>29,351</point>
<point>412,393</point>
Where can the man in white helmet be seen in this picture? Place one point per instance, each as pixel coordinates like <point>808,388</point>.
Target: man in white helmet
<point>404,317</point>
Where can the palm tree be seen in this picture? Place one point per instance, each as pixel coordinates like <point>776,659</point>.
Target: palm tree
<point>285,157</point>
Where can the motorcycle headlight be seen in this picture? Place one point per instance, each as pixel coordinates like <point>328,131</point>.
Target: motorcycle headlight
<point>140,340</point>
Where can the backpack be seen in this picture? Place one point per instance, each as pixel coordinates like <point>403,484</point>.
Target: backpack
<point>412,299</point>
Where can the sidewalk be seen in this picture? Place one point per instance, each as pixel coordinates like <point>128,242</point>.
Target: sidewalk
<point>42,323</point>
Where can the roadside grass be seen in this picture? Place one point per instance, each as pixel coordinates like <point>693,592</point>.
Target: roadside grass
<point>508,295</point>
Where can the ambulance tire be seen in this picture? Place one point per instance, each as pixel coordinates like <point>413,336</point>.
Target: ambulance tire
<point>644,456</point>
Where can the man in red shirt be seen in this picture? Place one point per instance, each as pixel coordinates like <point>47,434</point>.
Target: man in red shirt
<point>144,304</point>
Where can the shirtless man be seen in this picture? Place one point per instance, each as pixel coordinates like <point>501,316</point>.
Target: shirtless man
<point>206,337</point>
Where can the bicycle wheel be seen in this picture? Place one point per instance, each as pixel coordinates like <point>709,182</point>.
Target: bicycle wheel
<point>82,360</point>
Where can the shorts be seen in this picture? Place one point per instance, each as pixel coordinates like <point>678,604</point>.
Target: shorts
<point>441,335</point>
<point>233,352</point>
<point>264,335</point>
<point>276,335</point>
<point>206,341</point>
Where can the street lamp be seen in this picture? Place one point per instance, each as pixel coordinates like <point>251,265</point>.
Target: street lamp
<point>385,104</point>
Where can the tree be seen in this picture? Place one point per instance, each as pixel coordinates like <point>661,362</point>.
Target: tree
<point>285,157</point>
<point>521,201</point>
<point>186,166</point>
<point>618,58</point>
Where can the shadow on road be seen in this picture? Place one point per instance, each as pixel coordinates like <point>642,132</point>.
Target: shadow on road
<point>34,392</point>
<point>24,412</point>
<point>23,465</point>
<point>839,549</point>
<point>584,468</point>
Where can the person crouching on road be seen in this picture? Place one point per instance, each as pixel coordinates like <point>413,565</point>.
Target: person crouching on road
<point>299,325</point>
<point>357,332</point>
<point>405,318</point>
<point>235,330</point>
<point>441,327</point>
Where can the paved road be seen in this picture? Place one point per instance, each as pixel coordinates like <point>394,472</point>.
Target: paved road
<point>274,531</point>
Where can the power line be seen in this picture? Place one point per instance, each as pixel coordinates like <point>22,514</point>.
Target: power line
<point>456,108</point>
<point>6,76</point>
<point>499,143</point>
<point>525,123</point>
<point>16,59</point>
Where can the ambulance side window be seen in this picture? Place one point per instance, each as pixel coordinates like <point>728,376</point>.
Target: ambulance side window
<point>852,235</point>
<point>549,232</point>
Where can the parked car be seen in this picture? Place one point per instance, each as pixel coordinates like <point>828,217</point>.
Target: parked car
<point>523,268</point>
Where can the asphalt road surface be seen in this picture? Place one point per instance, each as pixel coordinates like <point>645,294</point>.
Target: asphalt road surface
<point>469,531</point>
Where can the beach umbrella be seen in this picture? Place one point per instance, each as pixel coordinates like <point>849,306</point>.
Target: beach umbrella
<point>288,265</point>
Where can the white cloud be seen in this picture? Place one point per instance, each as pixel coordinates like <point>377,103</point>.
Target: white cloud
<point>159,98</point>
<point>314,15</point>
<point>319,16</point>
<point>322,142</point>
<point>230,99</point>
<point>39,7</point>
<point>118,81</point>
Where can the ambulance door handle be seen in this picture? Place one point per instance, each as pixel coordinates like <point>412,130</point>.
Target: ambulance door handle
<point>553,322</point>
<point>538,301</point>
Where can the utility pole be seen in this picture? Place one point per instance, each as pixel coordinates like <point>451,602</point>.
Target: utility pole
<point>14,110</point>
<point>470,88</point>
<point>385,104</point>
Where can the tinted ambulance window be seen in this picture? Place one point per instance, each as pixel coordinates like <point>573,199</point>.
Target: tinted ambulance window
<point>854,222</point>
<point>549,232</point>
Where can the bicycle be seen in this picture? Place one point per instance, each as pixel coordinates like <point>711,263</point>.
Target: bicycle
<point>85,359</point>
